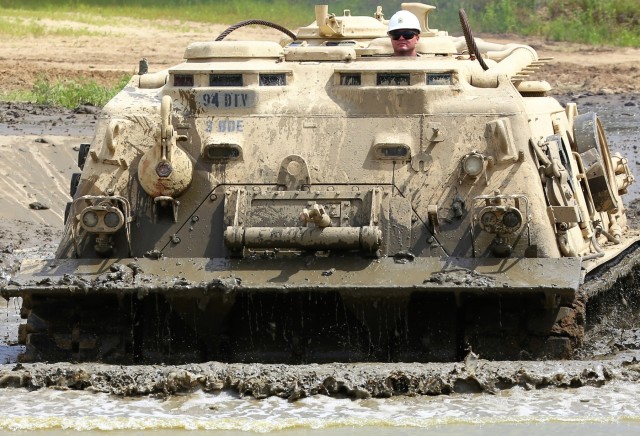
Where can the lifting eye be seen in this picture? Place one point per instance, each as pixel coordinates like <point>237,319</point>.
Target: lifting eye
<point>473,164</point>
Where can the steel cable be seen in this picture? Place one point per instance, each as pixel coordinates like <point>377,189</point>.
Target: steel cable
<point>236,26</point>
<point>471,42</point>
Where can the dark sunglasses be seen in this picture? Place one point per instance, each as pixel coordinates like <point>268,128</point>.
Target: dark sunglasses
<point>406,34</point>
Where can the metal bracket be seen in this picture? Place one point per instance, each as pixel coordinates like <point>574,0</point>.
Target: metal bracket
<point>175,204</point>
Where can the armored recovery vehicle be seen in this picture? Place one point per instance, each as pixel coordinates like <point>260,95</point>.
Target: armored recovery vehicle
<point>318,199</point>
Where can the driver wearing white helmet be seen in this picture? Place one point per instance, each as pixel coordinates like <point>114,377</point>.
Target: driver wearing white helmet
<point>404,31</point>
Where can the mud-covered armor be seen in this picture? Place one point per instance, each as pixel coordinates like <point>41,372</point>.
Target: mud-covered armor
<point>318,199</point>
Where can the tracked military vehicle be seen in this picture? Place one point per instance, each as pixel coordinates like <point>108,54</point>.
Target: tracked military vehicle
<point>318,199</point>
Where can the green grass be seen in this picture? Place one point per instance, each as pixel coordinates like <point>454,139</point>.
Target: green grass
<point>614,22</point>
<point>67,93</point>
<point>16,95</point>
<point>22,27</point>
<point>596,22</point>
<point>284,12</point>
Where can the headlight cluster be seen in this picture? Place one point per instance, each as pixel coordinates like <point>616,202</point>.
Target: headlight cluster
<point>102,218</point>
<point>500,219</point>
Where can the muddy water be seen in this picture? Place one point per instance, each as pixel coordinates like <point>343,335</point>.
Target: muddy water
<point>594,396</point>
<point>516,412</point>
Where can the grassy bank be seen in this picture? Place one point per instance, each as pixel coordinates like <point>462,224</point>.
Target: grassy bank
<point>292,14</point>
<point>68,93</point>
<point>615,22</point>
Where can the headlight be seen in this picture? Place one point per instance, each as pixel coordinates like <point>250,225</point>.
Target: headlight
<point>90,219</point>
<point>512,219</point>
<point>473,164</point>
<point>489,219</point>
<point>101,218</point>
<point>112,219</point>
<point>500,219</point>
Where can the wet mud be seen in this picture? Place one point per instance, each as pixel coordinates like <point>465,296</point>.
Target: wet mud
<point>356,381</point>
<point>611,350</point>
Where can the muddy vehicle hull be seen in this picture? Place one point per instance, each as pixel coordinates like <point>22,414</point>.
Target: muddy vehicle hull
<point>423,309</point>
<point>320,199</point>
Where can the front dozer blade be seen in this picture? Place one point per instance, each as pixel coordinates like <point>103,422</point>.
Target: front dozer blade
<point>295,310</point>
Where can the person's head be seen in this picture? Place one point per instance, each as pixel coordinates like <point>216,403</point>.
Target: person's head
<point>404,31</point>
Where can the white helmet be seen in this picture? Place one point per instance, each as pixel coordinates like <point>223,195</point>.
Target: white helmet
<point>404,20</point>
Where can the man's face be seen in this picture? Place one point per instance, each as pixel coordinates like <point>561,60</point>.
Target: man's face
<point>404,42</point>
